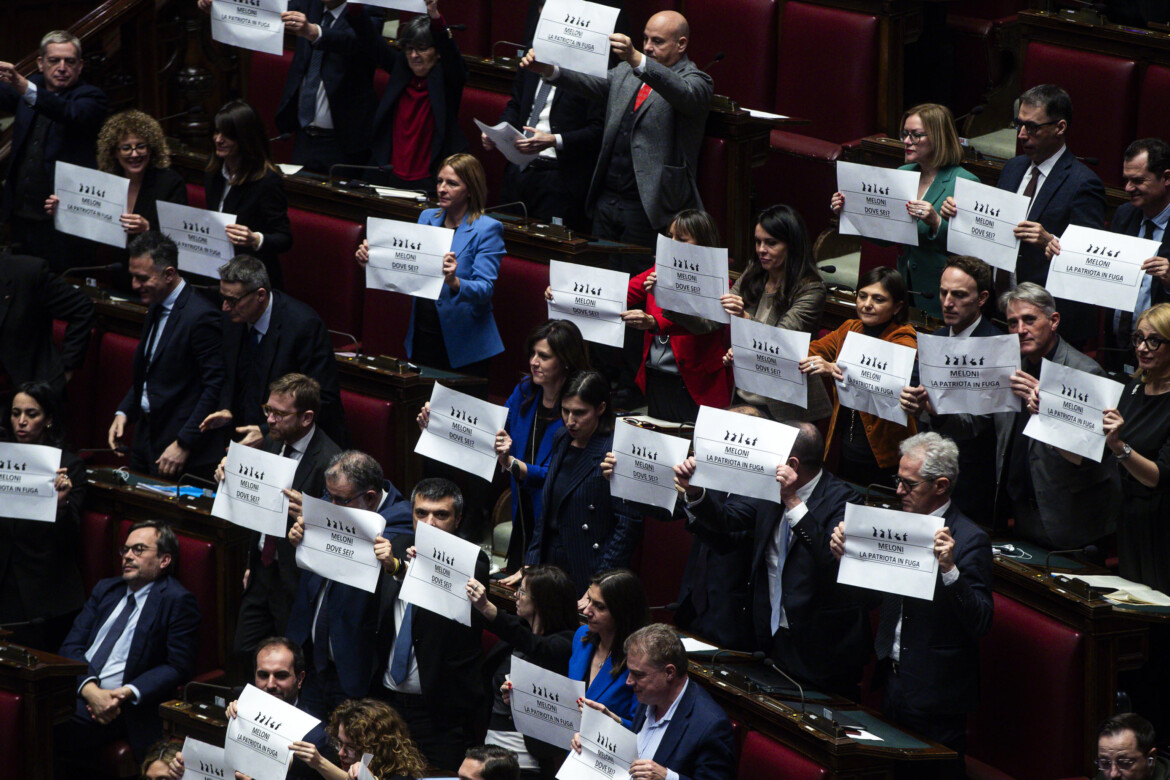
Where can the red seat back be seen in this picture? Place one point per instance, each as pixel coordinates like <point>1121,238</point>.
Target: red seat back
<point>747,74</point>
<point>385,318</point>
<point>638,12</point>
<point>98,559</point>
<point>519,308</point>
<point>762,757</point>
<point>320,269</point>
<point>79,391</point>
<point>876,256</point>
<point>1152,121</point>
<point>116,364</point>
<point>371,425</point>
<point>712,180</point>
<point>662,558</point>
<point>13,716</point>
<point>265,85</point>
<point>986,9</point>
<point>196,196</point>
<point>507,24</point>
<point>486,106</point>
<point>1104,87</point>
<point>476,14</point>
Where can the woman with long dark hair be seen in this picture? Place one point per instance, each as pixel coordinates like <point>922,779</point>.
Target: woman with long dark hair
<point>615,608</point>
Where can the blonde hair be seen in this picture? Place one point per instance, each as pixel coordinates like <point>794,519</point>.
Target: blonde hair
<point>1158,316</point>
<point>470,172</point>
<point>939,124</point>
<point>132,122</point>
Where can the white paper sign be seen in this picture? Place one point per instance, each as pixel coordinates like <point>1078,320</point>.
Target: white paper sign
<point>91,203</point>
<point>249,24</point>
<point>767,360</point>
<point>407,258</point>
<point>28,473</point>
<point>575,35</point>
<point>544,703</point>
<point>504,137</point>
<point>339,543</point>
<point>607,750</point>
<point>984,224</point>
<point>1072,403</point>
<point>739,454</point>
<point>691,279</point>
<point>436,579</point>
<point>364,772</point>
<point>889,551</point>
<point>258,737</point>
<point>199,234</point>
<point>202,761</point>
<point>875,373</point>
<point>413,6</point>
<point>593,299</point>
<point>1099,267</point>
<point>969,375</point>
<point>875,202</point>
<point>462,432</point>
<point>644,471</point>
<point>251,494</point>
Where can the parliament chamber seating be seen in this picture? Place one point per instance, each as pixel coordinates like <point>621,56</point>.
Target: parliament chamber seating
<point>486,106</point>
<point>476,14</point>
<point>762,757</point>
<point>661,558</point>
<point>983,57</point>
<point>196,196</point>
<point>385,317</point>
<point>638,12</point>
<point>12,716</point>
<point>320,269</point>
<point>747,44</point>
<point>1104,95</point>
<point>507,24</point>
<point>79,391</point>
<point>371,426</point>
<point>519,307</point>
<point>116,362</point>
<point>265,85</point>
<point>1152,120</point>
<point>97,543</point>
<point>712,183</point>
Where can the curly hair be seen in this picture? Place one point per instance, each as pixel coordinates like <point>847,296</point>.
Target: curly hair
<point>375,727</point>
<point>132,122</point>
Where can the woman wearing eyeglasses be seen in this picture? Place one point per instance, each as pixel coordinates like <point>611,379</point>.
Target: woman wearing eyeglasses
<point>1137,432</point>
<point>359,726</point>
<point>933,150</point>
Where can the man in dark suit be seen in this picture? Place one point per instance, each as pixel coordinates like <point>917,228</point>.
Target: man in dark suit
<point>31,297</point>
<point>335,622</point>
<point>434,682</point>
<point>808,624</point>
<point>178,369</point>
<point>269,335</point>
<point>329,99</point>
<point>138,635</point>
<point>965,287</point>
<point>270,581</point>
<point>928,651</point>
<point>56,118</point>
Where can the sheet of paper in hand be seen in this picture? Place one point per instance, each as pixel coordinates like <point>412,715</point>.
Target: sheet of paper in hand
<point>739,454</point>
<point>249,24</point>
<point>339,543</point>
<point>28,474</point>
<point>969,375</point>
<point>199,234</point>
<point>258,737</point>
<point>875,373</point>
<point>202,761</point>
<point>1099,267</point>
<point>575,35</point>
<point>1072,405</point>
<point>462,432</point>
<point>691,279</point>
<point>504,136</point>
<point>875,202</point>
<point>644,471</point>
<point>767,361</point>
<point>544,703</point>
<point>436,579</point>
<point>985,223</point>
<point>251,494</point>
<point>406,257</point>
<point>607,750</point>
<point>890,551</point>
<point>593,299</point>
<point>91,203</point>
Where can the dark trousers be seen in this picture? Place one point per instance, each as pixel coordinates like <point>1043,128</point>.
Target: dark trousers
<point>322,691</point>
<point>264,609</point>
<point>547,191</point>
<point>442,736</point>
<point>319,150</point>
<point>948,728</point>
<point>143,457</point>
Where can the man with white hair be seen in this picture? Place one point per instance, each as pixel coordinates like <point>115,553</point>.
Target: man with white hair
<point>928,651</point>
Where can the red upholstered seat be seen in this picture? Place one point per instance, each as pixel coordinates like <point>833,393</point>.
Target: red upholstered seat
<point>1104,95</point>
<point>519,307</point>
<point>79,390</point>
<point>98,558</point>
<point>507,24</point>
<point>385,318</point>
<point>977,34</point>
<point>320,270</point>
<point>1029,651</point>
<point>763,757</point>
<point>662,558</point>
<point>875,255</point>
<point>265,84</point>
<point>713,181</point>
<point>476,14</point>
<point>486,106</point>
<point>371,425</point>
<point>749,44</point>
<point>638,12</point>
<point>116,364</point>
<point>196,196</point>
<point>12,718</point>
<point>1152,121</point>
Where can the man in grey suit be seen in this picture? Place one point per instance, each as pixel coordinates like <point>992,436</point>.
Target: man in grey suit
<point>1059,500</point>
<point>656,109</point>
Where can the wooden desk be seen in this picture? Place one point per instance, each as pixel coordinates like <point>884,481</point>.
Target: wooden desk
<point>48,685</point>
<point>205,722</point>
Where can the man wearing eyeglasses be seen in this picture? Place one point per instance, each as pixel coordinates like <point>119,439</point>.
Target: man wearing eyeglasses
<point>137,634</point>
<point>1125,750</point>
<point>928,651</point>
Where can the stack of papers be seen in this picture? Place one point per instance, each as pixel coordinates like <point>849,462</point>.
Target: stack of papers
<point>1125,591</point>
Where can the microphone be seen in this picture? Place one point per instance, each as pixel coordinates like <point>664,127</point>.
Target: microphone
<point>672,606</point>
<point>827,269</point>
<point>772,665</point>
<point>121,449</point>
<point>755,656</point>
<point>520,48</point>
<point>356,343</point>
<point>190,478</point>
<point>519,203</point>
<point>718,58</point>
<point>187,112</point>
<point>344,166</point>
<point>22,623</point>
<point>92,268</point>
<point>1089,551</point>
<point>927,295</point>
<point>281,137</point>
<point>457,27</point>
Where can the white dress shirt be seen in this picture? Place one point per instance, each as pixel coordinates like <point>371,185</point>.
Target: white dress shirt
<point>323,117</point>
<point>1045,169</point>
<point>652,731</point>
<point>111,675</point>
<point>772,556</point>
<point>948,579</point>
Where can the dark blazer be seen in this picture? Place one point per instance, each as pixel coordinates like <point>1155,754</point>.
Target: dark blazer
<point>347,71</point>
<point>261,206</point>
<point>1071,195</point>
<point>444,89</point>
<point>698,743</point>
<point>352,614</point>
<point>597,531</point>
<point>77,115</point>
<point>828,639</point>
<point>165,184</point>
<point>162,653</point>
<point>715,595</point>
<point>41,558</point>
<point>449,653</point>
<point>1127,221</point>
<point>185,377</point>
<point>297,341</point>
<point>939,658</point>
<point>31,297</point>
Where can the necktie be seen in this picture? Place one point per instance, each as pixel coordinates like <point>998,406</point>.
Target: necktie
<point>98,662</point>
<point>1030,190</point>
<point>538,103</point>
<point>155,332</point>
<point>1125,324</point>
<point>321,631</point>
<point>643,93</point>
<point>785,531</point>
<point>307,104</point>
<point>400,663</point>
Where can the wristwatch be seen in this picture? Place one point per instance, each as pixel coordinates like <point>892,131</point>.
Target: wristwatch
<point>514,467</point>
<point>1126,451</point>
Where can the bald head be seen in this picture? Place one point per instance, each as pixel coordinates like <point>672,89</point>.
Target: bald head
<point>665,37</point>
